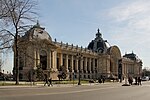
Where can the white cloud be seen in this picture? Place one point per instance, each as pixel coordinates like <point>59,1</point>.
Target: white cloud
<point>129,11</point>
<point>141,24</point>
<point>130,23</point>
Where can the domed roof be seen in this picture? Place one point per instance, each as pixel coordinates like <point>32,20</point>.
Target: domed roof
<point>98,44</point>
<point>37,32</point>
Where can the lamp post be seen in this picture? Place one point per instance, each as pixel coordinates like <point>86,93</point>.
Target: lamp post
<point>3,78</point>
<point>79,82</point>
<point>79,56</point>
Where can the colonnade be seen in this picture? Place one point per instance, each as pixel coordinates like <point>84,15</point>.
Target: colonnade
<point>87,65</point>
<point>90,66</point>
<point>74,64</point>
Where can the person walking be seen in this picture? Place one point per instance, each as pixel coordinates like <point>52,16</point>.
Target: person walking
<point>136,81</point>
<point>99,80</point>
<point>130,79</point>
<point>50,82</point>
<point>103,79</point>
<point>139,81</point>
<point>46,80</point>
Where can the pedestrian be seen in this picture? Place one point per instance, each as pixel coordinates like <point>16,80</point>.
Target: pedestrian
<point>50,82</point>
<point>46,80</point>
<point>103,79</point>
<point>130,79</point>
<point>136,80</point>
<point>99,80</point>
<point>139,81</point>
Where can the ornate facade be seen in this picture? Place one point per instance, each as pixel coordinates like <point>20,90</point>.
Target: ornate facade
<point>36,48</point>
<point>132,65</point>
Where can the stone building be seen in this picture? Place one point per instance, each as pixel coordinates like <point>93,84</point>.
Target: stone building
<point>132,65</point>
<point>36,48</point>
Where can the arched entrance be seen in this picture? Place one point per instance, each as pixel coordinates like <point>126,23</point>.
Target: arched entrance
<point>43,59</point>
<point>115,55</point>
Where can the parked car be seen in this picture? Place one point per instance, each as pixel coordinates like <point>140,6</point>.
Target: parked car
<point>145,78</point>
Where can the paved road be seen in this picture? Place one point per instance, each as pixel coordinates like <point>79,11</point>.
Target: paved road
<point>112,91</point>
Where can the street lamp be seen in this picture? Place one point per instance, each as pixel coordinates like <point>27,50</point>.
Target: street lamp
<point>73,77</point>
<point>79,56</point>
<point>3,78</point>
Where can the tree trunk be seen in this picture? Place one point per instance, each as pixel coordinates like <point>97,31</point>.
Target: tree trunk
<point>16,58</point>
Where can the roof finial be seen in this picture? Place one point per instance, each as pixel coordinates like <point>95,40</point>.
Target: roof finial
<point>98,30</point>
<point>132,52</point>
<point>98,34</point>
<point>38,23</point>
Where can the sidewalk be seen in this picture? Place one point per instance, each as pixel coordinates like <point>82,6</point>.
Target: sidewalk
<point>60,85</point>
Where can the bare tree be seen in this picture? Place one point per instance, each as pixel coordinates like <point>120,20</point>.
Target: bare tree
<point>14,18</point>
<point>1,64</point>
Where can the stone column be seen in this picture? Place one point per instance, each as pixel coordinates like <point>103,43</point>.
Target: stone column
<point>61,59</point>
<point>94,67</point>
<point>38,57</point>
<point>107,60</point>
<point>35,57</point>
<point>52,58</point>
<point>125,67</point>
<point>77,65</point>
<point>54,61</point>
<point>49,59</point>
<point>90,65</point>
<point>72,64</point>
<point>67,63</point>
<point>85,64</point>
<point>81,64</point>
<point>94,64</point>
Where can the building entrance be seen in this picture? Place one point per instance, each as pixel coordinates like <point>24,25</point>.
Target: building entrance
<point>43,59</point>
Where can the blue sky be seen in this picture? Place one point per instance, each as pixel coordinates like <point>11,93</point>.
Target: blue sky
<point>125,23</point>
